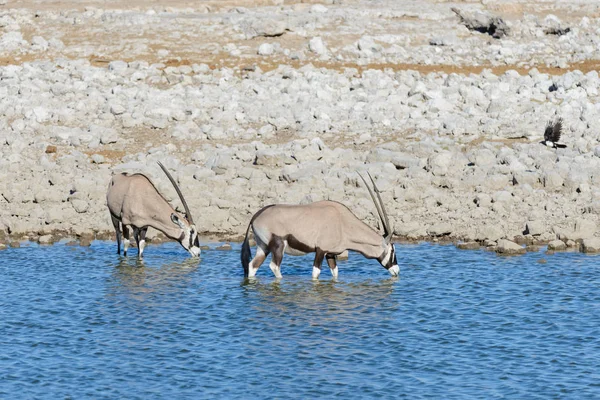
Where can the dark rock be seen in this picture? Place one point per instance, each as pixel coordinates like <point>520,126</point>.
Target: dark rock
<point>484,23</point>
<point>468,246</point>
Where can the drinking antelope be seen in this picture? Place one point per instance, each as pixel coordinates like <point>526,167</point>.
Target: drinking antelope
<point>134,201</point>
<point>326,228</point>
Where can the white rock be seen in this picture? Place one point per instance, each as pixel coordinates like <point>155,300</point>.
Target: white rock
<point>265,49</point>
<point>590,245</point>
<point>316,45</point>
<point>109,136</point>
<point>117,67</point>
<point>440,229</point>
<point>81,206</point>
<point>535,228</point>
<point>509,248</point>
<point>318,8</point>
<point>557,245</point>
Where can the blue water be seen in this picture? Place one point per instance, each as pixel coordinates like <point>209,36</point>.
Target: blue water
<point>85,323</point>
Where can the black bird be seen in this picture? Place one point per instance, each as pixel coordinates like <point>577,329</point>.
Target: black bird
<point>552,134</point>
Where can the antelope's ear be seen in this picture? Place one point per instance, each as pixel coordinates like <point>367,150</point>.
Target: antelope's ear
<point>176,220</point>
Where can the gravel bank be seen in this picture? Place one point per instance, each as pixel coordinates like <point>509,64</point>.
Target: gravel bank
<point>284,102</point>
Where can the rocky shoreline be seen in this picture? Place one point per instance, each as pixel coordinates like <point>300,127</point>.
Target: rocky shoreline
<point>269,104</point>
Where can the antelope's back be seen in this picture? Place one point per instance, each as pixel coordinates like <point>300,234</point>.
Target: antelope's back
<point>315,225</point>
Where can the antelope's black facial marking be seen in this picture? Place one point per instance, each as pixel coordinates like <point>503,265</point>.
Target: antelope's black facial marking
<point>393,260</point>
<point>175,219</point>
<point>388,259</point>
<point>193,238</point>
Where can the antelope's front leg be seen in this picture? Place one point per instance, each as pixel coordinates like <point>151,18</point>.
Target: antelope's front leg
<point>125,239</point>
<point>117,226</point>
<point>136,236</point>
<point>142,241</point>
<point>317,264</point>
<point>332,262</point>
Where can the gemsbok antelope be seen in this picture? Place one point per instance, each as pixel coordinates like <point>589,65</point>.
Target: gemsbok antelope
<point>326,228</point>
<point>134,201</point>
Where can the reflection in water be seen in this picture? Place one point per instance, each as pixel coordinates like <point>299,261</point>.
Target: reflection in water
<point>138,277</point>
<point>334,300</point>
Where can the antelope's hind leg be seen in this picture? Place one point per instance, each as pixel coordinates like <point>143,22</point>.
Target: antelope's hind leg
<point>332,262</point>
<point>117,226</point>
<point>261,254</point>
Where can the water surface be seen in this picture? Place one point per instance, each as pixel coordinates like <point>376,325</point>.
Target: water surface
<point>85,323</point>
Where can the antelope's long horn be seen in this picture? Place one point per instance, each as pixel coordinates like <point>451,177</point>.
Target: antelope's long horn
<point>388,228</point>
<point>187,209</point>
<point>379,211</point>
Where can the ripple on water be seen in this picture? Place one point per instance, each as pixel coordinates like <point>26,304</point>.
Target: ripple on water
<point>84,322</point>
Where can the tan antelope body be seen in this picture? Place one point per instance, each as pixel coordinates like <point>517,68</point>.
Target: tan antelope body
<point>134,201</point>
<point>326,228</point>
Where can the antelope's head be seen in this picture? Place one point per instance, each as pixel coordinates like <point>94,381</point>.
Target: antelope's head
<point>188,236</point>
<point>388,256</point>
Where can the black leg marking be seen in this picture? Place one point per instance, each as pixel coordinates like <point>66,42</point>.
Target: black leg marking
<point>126,236</point>
<point>332,262</point>
<point>277,247</point>
<point>136,235</point>
<point>317,263</point>
<point>117,226</point>
<point>142,241</point>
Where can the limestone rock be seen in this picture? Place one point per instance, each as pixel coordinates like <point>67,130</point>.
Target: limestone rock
<point>557,245</point>
<point>507,247</point>
<point>535,228</point>
<point>590,245</point>
<point>316,45</point>
<point>468,246</point>
<point>46,239</point>
<point>440,229</point>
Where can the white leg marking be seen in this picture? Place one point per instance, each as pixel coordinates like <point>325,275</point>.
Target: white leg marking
<point>276,270</point>
<point>142,245</point>
<point>334,272</point>
<point>251,270</point>
<point>394,270</point>
<point>125,246</point>
<point>316,272</point>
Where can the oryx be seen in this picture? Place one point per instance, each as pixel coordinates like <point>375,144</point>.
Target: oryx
<point>326,228</point>
<point>134,201</point>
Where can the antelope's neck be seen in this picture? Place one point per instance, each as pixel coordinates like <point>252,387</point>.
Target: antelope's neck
<point>160,219</point>
<point>369,243</point>
<point>167,227</point>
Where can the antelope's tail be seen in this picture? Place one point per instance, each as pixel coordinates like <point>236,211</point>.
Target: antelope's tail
<point>246,255</point>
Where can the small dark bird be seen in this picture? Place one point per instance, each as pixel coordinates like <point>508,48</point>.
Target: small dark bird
<point>552,134</point>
